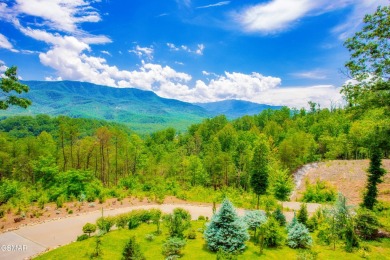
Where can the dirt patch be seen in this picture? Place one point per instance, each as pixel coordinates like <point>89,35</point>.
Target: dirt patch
<point>348,177</point>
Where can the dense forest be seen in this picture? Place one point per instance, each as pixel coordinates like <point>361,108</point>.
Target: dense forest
<point>81,157</point>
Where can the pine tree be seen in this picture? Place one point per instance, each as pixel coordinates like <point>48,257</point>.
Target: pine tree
<point>254,218</point>
<point>259,169</point>
<point>299,236</point>
<point>303,216</point>
<point>375,173</point>
<point>226,230</point>
<point>279,216</point>
<point>132,251</point>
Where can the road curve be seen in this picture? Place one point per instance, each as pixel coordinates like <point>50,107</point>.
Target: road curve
<point>32,240</point>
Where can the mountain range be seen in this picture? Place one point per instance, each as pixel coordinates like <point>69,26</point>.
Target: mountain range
<point>143,111</point>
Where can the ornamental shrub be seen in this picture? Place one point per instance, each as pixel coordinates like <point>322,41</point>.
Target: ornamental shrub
<point>299,236</point>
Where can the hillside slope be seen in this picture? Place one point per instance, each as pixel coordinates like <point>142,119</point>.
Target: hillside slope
<point>235,108</point>
<point>143,111</point>
<point>348,177</point>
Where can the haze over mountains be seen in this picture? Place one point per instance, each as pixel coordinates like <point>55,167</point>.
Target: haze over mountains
<point>143,111</point>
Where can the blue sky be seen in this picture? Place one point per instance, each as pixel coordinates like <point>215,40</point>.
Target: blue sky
<point>278,52</point>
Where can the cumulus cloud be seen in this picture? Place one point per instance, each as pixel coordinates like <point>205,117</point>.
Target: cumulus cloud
<point>3,68</point>
<point>143,52</point>
<point>64,15</point>
<point>5,44</point>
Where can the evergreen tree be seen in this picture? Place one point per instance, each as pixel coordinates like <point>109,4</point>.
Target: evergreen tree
<point>132,251</point>
<point>254,218</point>
<point>226,230</point>
<point>8,86</point>
<point>274,235</point>
<point>279,216</point>
<point>299,236</point>
<point>303,215</point>
<point>178,222</point>
<point>375,173</point>
<point>259,169</point>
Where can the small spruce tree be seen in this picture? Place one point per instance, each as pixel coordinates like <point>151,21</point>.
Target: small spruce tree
<point>299,236</point>
<point>303,215</point>
<point>279,216</point>
<point>226,231</point>
<point>254,218</point>
<point>132,251</point>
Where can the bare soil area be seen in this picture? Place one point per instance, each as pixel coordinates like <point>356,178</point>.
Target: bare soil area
<point>348,177</point>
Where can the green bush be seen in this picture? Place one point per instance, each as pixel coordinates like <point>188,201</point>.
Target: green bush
<point>150,237</point>
<point>319,192</point>
<point>82,237</point>
<point>134,222</point>
<point>299,236</point>
<point>132,251</point>
<point>173,246</point>
<point>307,255</point>
<point>89,228</point>
<point>274,235</point>
<point>8,189</point>
<point>303,215</point>
<point>191,234</point>
<point>60,201</point>
<point>105,224</point>
<point>367,224</point>
<point>279,216</point>
<point>223,255</point>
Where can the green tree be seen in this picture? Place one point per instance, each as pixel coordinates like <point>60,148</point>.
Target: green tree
<point>132,250</point>
<point>89,228</point>
<point>9,84</point>
<point>177,222</point>
<point>303,215</point>
<point>260,169</point>
<point>282,185</point>
<point>226,230</point>
<point>299,236</point>
<point>369,62</point>
<point>254,218</point>
<point>375,173</point>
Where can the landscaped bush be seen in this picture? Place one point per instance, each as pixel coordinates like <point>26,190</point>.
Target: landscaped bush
<point>274,235</point>
<point>8,189</point>
<point>177,222</point>
<point>173,246</point>
<point>319,192</point>
<point>279,216</point>
<point>191,234</point>
<point>82,237</point>
<point>105,223</point>
<point>89,228</point>
<point>367,224</point>
<point>223,255</point>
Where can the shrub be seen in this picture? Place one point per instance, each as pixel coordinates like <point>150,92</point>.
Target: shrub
<point>82,237</point>
<point>132,251</point>
<point>89,228</point>
<point>133,222</point>
<point>105,224</point>
<point>122,220</point>
<point>273,234</point>
<point>307,255</point>
<point>173,246</point>
<point>226,230</point>
<point>191,234</point>
<point>177,222</point>
<point>321,191</point>
<point>223,255</point>
<point>253,219</point>
<point>8,189</point>
<point>366,224</point>
<point>201,218</point>
<point>299,237</point>
<point>42,201</point>
<point>150,237</point>
<point>60,201</point>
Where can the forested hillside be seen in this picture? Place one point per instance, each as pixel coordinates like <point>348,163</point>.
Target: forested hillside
<point>72,157</point>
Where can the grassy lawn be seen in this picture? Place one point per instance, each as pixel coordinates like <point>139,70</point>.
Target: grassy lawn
<point>114,242</point>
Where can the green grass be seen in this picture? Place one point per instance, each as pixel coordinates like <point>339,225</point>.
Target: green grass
<point>114,242</point>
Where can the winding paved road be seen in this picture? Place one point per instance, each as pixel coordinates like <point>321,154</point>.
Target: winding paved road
<point>32,240</point>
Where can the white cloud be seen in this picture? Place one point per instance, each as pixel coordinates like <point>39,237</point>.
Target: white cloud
<point>222,3</point>
<point>5,44</point>
<point>354,21</point>
<point>143,52</point>
<point>273,16</point>
<point>3,68</point>
<point>279,15</point>
<point>106,52</point>
<point>50,78</point>
<point>312,74</point>
<point>64,15</point>
<point>198,51</point>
